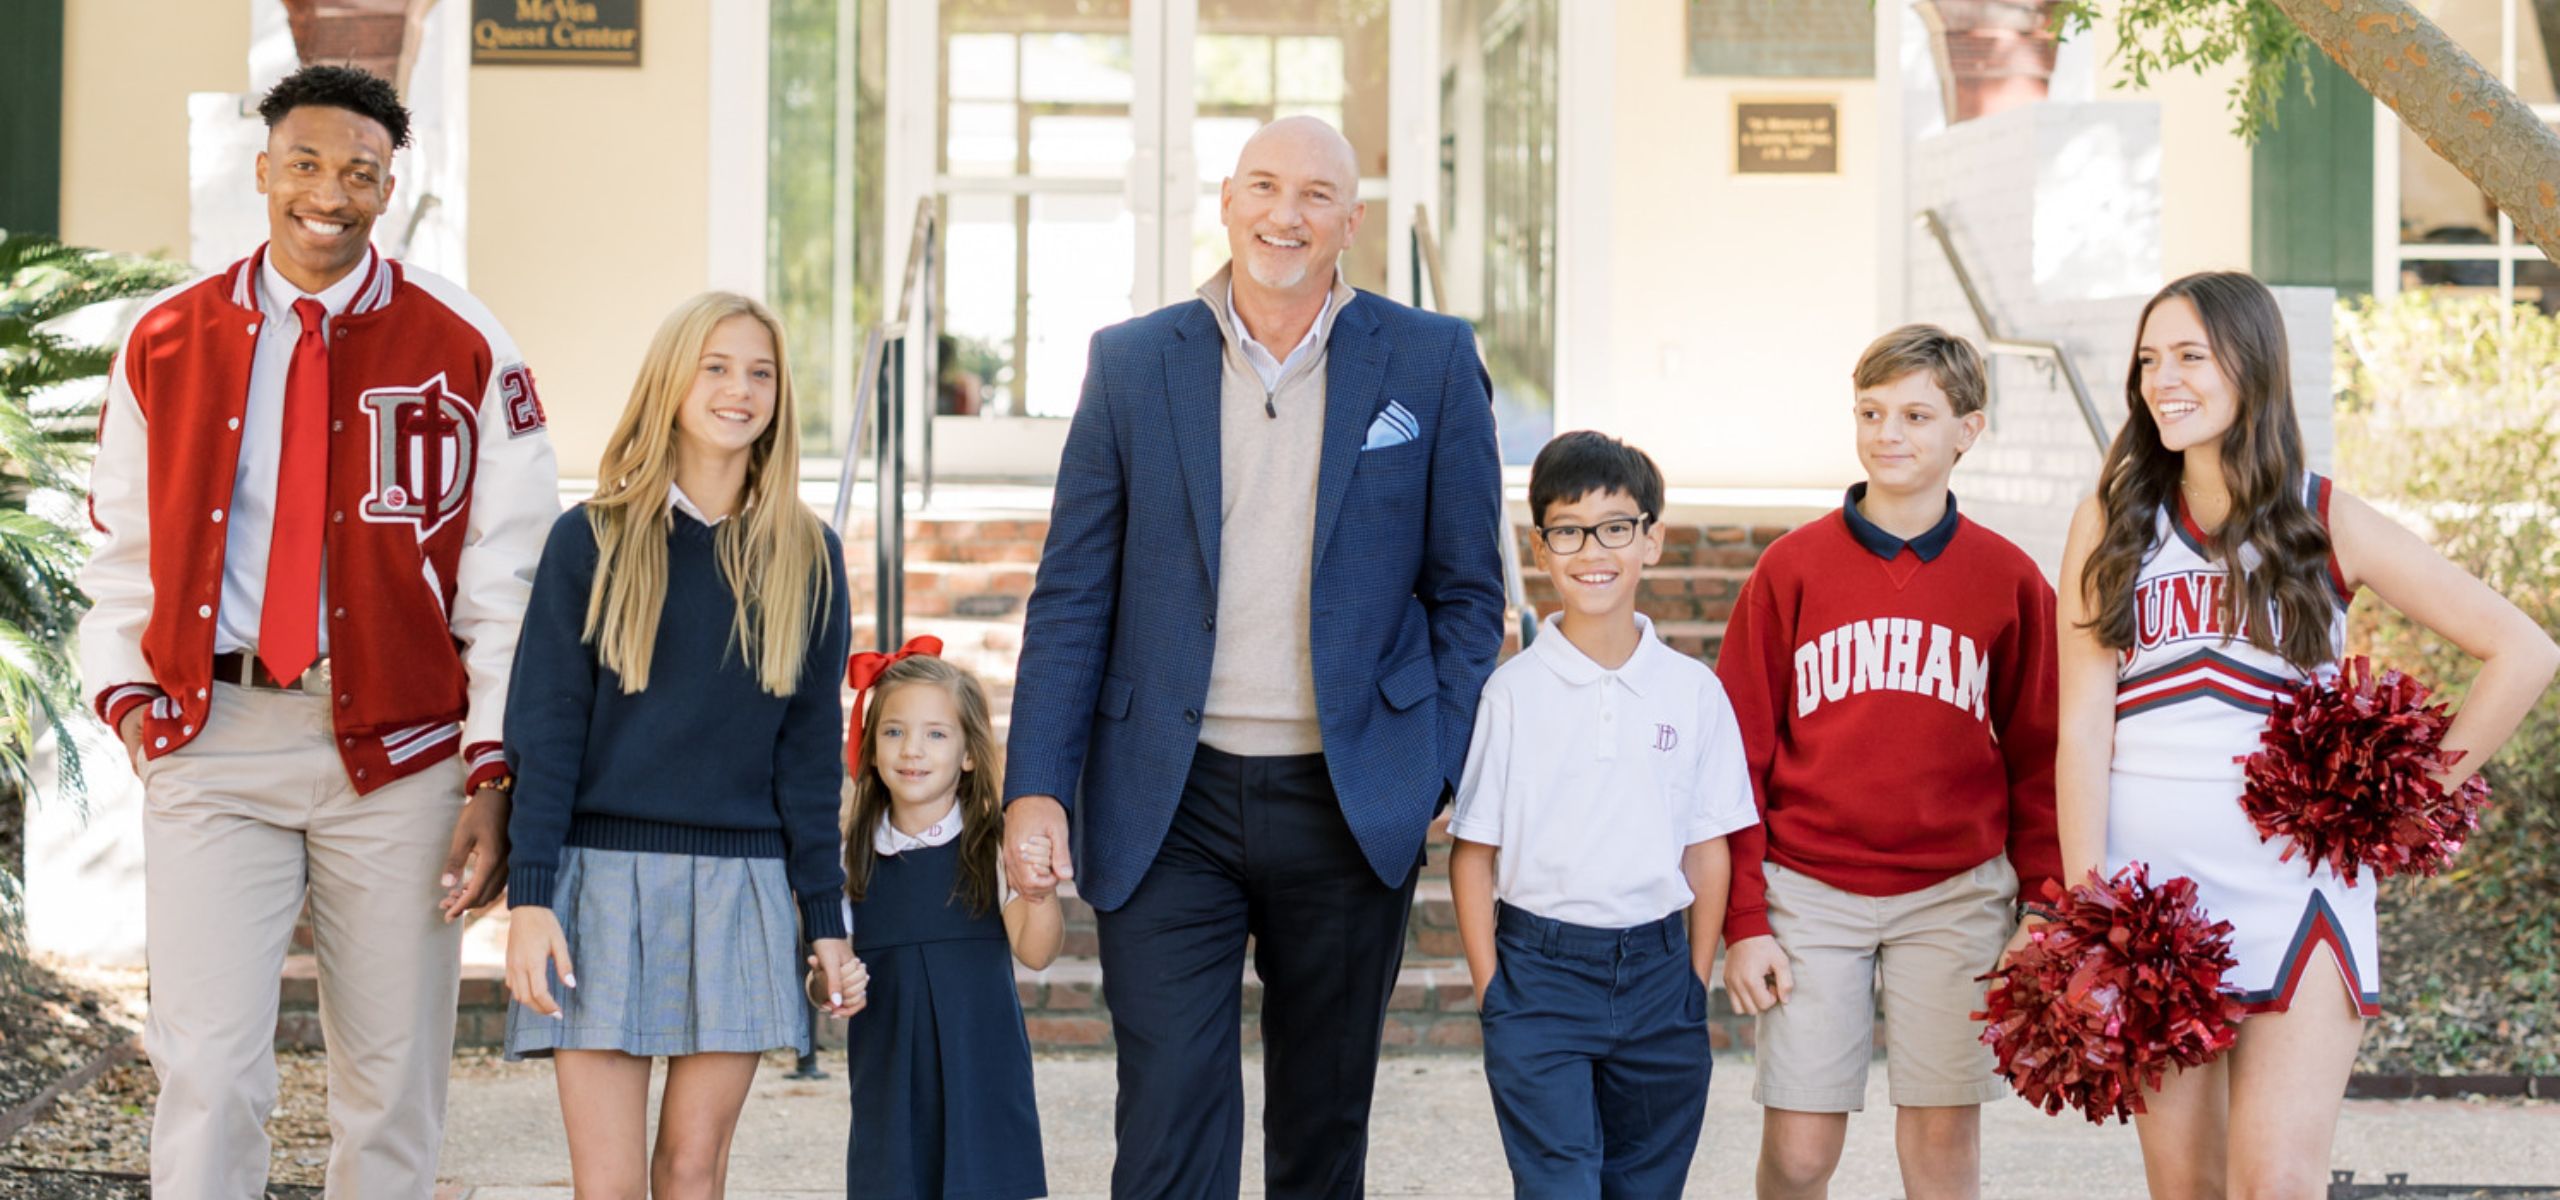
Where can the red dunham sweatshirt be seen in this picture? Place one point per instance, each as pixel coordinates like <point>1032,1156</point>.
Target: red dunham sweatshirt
<point>1897,702</point>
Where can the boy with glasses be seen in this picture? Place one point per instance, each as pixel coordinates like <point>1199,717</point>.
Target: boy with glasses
<point>1590,869</point>
<point>1893,668</point>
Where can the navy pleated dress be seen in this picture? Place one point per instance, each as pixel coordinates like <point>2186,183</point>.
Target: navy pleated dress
<point>942,1095</point>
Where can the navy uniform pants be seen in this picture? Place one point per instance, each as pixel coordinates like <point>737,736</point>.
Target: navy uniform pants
<point>1595,1043</point>
<point>1258,848</point>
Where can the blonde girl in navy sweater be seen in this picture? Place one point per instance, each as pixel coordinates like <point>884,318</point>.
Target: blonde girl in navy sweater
<point>942,1095</point>
<point>678,740</point>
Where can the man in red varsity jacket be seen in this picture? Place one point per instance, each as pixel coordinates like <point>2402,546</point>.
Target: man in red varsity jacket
<point>1892,668</point>
<point>322,483</point>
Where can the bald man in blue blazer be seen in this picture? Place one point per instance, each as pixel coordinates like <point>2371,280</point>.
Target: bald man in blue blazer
<point>1270,594</point>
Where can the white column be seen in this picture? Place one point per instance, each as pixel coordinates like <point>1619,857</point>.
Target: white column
<point>1586,134</point>
<point>741,34</point>
<point>1413,153</point>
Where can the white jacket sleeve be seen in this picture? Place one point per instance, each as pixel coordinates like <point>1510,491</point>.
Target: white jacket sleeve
<point>515,498</point>
<point>117,578</point>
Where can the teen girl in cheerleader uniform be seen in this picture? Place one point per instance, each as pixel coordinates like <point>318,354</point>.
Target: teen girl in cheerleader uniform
<point>2210,571</point>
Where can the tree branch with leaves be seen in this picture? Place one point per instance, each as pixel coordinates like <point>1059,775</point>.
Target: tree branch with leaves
<point>2459,108</point>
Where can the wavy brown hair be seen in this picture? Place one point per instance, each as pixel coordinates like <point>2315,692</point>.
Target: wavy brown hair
<point>981,790</point>
<point>2261,465</point>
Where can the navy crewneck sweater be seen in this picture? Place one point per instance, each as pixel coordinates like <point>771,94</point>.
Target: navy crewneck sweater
<point>703,761</point>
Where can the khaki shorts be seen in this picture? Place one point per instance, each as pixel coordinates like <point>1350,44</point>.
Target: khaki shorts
<point>1922,950</point>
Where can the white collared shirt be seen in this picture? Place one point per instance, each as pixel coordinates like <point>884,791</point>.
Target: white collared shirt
<point>890,841</point>
<point>249,525</point>
<point>677,501</point>
<point>1593,782</point>
<point>1256,355</point>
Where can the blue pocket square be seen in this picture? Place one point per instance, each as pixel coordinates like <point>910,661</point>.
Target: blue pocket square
<point>1394,427</point>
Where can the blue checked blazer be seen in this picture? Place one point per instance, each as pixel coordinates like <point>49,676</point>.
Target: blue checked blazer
<point>1407,605</point>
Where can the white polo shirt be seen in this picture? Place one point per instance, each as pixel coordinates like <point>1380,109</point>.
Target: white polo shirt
<point>1594,782</point>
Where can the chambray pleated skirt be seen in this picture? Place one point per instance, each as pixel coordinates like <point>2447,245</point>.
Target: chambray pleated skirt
<point>674,954</point>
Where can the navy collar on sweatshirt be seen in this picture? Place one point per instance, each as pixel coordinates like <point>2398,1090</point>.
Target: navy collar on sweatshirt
<point>1885,545</point>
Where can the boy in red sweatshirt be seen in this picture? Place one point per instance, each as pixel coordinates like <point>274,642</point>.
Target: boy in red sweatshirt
<point>1892,668</point>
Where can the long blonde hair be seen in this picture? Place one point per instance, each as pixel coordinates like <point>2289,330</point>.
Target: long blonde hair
<point>981,788</point>
<point>773,552</point>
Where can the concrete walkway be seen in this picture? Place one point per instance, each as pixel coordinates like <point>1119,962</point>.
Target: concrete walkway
<point>1434,1137</point>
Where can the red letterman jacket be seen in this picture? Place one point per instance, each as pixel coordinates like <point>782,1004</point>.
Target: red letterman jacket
<point>442,487</point>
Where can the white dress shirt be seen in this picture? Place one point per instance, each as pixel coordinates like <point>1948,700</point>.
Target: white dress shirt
<point>249,526</point>
<point>1256,355</point>
<point>677,501</point>
<point>890,841</point>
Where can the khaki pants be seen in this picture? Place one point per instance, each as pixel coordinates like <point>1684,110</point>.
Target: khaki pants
<point>238,827</point>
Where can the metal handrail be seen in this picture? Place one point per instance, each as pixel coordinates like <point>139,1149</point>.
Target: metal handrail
<point>1515,588</point>
<point>1994,343</point>
<point>881,393</point>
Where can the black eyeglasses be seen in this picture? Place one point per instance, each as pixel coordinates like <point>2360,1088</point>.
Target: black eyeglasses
<point>1613,535</point>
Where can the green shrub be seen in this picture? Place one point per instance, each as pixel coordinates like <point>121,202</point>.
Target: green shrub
<point>2449,419</point>
<point>50,388</point>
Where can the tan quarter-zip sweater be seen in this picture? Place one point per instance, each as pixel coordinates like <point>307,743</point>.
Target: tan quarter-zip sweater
<point>1262,684</point>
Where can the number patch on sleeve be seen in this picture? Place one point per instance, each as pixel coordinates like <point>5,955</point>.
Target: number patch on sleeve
<point>524,408</point>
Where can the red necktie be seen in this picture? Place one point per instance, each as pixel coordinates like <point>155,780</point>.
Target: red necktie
<point>288,618</point>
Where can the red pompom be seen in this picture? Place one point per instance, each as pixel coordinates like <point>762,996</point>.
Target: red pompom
<point>2347,774</point>
<point>2124,983</point>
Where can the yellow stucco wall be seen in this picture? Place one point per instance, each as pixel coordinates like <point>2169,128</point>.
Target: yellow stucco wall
<point>2204,166</point>
<point>1738,302</point>
<point>127,68</point>
<point>588,210</point>
<point>588,191</point>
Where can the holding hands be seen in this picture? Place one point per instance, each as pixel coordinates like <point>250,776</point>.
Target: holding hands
<point>838,984</point>
<point>1035,847</point>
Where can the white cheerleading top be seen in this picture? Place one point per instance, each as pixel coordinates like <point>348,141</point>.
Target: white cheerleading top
<point>2191,701</point>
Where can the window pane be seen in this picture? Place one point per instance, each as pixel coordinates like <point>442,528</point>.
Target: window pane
<point>1080,147</point>
<point>1077,68</point>
<point>980,141</point>
<point>2537,51</point>
<point>981,66</point>
<point>2438,206</point>
<point>1230,69</point>
<point>1311,68</point>
<point>1215,143</point>
<point>1498,133</point>
<point>1083,255</point>
<point>979,316</point>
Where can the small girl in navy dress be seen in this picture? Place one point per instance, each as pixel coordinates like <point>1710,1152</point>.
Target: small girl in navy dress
<point>942,1096</point>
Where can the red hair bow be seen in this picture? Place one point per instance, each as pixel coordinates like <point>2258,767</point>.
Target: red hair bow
<point>861,672</point>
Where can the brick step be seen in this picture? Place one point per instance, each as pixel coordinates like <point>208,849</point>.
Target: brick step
<point>1697,639</point>
<point>987,646</point>
<point>974,539</point>
<point>972,590</point>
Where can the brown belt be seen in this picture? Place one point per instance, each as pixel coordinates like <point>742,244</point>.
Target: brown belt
<point>243,669</point>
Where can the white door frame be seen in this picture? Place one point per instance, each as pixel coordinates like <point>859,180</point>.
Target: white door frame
<point>1160,183</point>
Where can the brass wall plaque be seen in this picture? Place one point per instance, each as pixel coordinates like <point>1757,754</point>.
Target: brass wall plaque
<point>556,32</point>
<point>1795,138</point>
